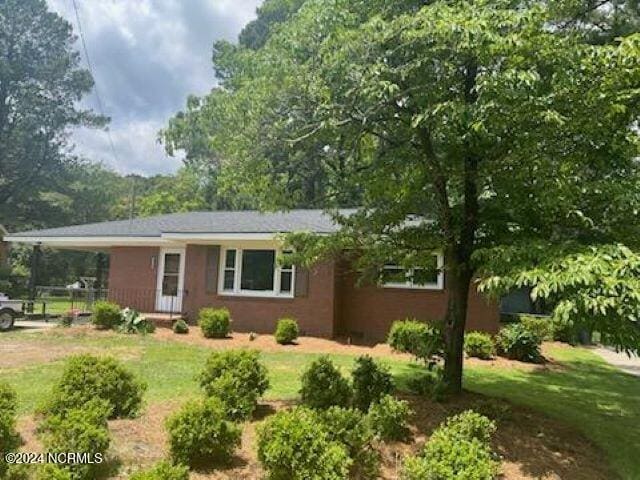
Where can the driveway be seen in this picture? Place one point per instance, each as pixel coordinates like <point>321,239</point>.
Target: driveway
<point>621,360</point>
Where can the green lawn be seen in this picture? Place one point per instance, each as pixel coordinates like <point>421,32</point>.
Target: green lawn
<point>599,400</point>
<point>583,391</point>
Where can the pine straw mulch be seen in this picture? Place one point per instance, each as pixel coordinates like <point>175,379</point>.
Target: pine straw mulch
<point>530,445</point>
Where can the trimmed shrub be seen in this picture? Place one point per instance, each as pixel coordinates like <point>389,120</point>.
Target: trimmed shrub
<point>516,342</point>
<point>8,398</point>
<point>479,345</point>
<point>86,378</point>
<point>162,471</point>
<point>389,418</point>
<point>214,322</point>
<point>238,378</point>
<point>295,445</point>
<point>371,382</point>
<point>323,385</point>
<point>200,434</point>
<point>50,471</point>
<point>106,315</point>
<point>469,424</point>
<point>180,327</point>
<point>458,449</point>
<point>422,340</point>
<point>542,327</point>
<point>9,438</point>
<point>350,427</point>
<point>286,331</point>
<point>78,430</point>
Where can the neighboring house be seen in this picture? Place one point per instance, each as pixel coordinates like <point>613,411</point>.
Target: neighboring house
<point>183,262</point>
<point>4,247</point>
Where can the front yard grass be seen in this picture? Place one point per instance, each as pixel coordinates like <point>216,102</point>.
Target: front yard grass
<point>581,390</point>
<point>578,389</point>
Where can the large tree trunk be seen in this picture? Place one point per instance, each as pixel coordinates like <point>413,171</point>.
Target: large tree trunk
<point>458,284</point>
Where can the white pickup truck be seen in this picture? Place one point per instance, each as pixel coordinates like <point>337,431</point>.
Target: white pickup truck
<point>9,311</point>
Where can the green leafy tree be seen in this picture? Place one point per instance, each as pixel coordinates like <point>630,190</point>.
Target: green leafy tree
<point>41,82</point>
<point>461,126</point>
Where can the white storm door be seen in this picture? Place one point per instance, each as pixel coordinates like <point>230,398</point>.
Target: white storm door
<point>170,288</point>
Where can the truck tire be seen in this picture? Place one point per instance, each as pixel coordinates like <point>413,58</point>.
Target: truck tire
<point>7,317</point>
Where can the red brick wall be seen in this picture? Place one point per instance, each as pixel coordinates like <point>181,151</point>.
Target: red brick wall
<point>314,312</point>
<point>333,305</point>
<point>369,311</point>
<point>133,277</point>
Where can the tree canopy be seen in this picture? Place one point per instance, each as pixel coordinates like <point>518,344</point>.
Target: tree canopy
<point>41,82</point>
<point>454,126</point>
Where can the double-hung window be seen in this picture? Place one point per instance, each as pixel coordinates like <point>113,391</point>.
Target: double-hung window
<point>430,278</point>
<point>255,272</point>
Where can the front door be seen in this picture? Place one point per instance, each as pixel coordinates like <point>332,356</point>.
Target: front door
<point>170,280</point>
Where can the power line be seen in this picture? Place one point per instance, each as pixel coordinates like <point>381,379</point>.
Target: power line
<point>95,83</point>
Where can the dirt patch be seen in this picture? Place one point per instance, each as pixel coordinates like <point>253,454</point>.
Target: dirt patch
<point>267,343</point>
<point>530,445</point>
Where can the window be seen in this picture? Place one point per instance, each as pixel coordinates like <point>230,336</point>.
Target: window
<point>171,274</point>
<point>286,277</point>
<point>229,272</point>
<point>258,270</point>
<point>255,272</point>
<point>432,278</point>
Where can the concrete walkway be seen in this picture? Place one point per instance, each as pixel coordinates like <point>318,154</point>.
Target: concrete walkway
<point>34,324</point>
<point>621,360</point>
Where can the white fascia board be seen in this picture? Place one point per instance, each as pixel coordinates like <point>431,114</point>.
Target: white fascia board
<point>71,242</point>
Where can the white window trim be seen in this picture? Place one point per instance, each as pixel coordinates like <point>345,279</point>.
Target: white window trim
<point>237,291</point>
<point>439,285</point>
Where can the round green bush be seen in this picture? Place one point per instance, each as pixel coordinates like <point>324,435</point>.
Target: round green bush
<point>180,327</point>
<point>286,331</point>
<point>295,445</point>
<point>479,345</point>
<point>458,449</point>
<point>542,327</point>
<point>162,471</point>
<point>87,378</point>
<point>82,430</point>
<point>200,434</point>
<point>422,340</point>
<point>350,427</point>
<point>516,342</point>
<point>214,322</point>
<point>371,382</point>
<point>9,437</point>
<point>323,385</point>
<point>106,315</point>
<point>51,471</point>
<point>238,378</point>
<point>389,418</point>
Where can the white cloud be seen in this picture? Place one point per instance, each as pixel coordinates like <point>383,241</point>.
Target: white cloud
<point>148,55</point>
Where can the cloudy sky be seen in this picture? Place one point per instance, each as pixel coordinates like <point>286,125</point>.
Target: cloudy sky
<point>148,55</point>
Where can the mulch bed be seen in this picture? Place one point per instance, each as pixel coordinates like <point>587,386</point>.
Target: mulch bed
<point>530,445</point>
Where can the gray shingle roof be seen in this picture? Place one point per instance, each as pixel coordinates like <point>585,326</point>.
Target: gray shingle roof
<point>199,222</point>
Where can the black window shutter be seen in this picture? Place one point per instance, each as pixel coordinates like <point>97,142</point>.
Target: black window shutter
<point>302,282</point>
<point>211,273</point>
